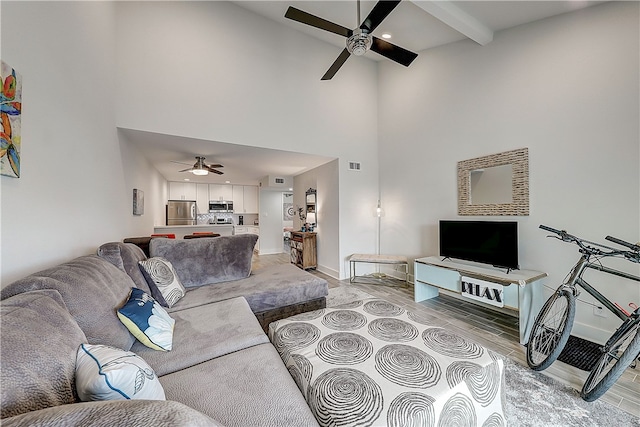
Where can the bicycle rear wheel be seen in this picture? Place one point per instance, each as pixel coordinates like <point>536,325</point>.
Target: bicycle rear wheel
<point>551,329</point>
<point>612,364</point>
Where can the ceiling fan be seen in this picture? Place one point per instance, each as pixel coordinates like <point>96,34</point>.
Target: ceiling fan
<point>201,168</point>
<point>359,40</point>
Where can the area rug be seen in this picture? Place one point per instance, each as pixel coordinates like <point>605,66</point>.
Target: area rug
<point>533,399</point>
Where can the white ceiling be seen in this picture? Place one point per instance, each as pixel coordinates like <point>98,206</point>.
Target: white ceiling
<point>414,25</point>
<point>243,165</point>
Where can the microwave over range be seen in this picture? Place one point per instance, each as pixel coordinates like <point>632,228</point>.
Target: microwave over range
<point>219,206</point>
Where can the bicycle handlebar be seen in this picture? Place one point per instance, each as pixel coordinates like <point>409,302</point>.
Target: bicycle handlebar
<point>631,246</point>
<point>586,246</point>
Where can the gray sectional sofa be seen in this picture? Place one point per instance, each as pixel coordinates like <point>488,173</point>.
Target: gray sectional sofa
<point>221,370</point>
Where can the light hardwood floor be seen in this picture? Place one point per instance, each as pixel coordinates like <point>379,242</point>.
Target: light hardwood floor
<point>494,330</point>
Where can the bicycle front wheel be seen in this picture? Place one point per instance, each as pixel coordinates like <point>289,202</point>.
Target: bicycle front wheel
<point>613,362</point>
<point>551,330</point>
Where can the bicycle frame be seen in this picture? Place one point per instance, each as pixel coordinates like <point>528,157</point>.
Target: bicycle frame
<point>576,278</point>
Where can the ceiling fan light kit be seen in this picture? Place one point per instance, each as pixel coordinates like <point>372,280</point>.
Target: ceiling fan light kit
<point>359,40</point>
<point>359,43</point>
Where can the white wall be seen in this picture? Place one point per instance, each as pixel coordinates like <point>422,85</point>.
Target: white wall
<point>566,88</point>
<point>73,193</point>
<point>199,69</point>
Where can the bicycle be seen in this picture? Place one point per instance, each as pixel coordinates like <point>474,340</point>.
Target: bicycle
<point>553,324</point>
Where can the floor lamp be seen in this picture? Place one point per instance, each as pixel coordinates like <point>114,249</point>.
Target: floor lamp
<point>379,214</point>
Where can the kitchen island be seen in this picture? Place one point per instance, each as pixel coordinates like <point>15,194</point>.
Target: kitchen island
<point>182,230</point>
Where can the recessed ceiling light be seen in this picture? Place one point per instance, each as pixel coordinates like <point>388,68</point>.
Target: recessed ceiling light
<point>227,182</point>
<point>386,36</point>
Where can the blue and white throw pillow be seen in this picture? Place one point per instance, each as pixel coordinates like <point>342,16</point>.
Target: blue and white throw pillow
<point>147,320</point>
<point>162,280</point>
<point>108,373</point>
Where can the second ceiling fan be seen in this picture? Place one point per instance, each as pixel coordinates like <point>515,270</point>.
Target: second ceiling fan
<point>359,40</point>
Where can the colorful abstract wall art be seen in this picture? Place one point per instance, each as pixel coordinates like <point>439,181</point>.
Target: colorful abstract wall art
<point>10,114</point>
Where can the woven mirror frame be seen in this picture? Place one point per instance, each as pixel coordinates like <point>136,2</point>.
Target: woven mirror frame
<point>519,206</point>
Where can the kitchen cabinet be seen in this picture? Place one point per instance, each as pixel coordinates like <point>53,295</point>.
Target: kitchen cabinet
<point>303,249</point>
<point>245,199</point>
<point>238,198</point>
<point>251,199</point>
<point>202,198</point>
<point>220,192</point>
<point>182,191</point>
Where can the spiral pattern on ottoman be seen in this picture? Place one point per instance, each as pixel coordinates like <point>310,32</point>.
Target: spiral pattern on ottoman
<point>449,344</point>
<point>483,383</point>
<point>344,348</point>
<point>458,412</point>
<point>494,420</point>
<point>382,308</point>
<point>294,336</point>
<point>407,366</point>
<point>304,366</point>
<point>344,320</point>
<point>411,409</point>
<point>343,396</point>
<point>297,376</point>
<point>393,330</point>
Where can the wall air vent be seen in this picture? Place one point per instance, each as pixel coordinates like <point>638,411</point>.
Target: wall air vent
<point>279,180</point>
<point>354,166</point>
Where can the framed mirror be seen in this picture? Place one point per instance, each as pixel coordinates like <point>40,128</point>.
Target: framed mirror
<point>310,202</point>
<point>494,185</point>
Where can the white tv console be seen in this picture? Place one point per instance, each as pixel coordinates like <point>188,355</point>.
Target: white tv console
<point>519,290</point>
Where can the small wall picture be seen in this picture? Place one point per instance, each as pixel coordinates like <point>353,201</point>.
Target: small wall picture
<point>10,115</point>
<point>138,202</point>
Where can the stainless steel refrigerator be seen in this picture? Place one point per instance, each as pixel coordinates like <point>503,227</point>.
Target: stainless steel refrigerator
<point>181,212</point>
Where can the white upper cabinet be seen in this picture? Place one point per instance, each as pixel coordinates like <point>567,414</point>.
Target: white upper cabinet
<point>182,191</point>
<point>202,198</point>
<point>238,199</point>
<point>251,199</point>
<point>220,192</point>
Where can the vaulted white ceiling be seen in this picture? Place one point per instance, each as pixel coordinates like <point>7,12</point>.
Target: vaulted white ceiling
<point>415,25</point>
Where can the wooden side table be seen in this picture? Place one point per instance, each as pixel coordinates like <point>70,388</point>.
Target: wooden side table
<point>303,249</point>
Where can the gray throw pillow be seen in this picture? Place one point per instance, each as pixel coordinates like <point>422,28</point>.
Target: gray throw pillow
<point>163,281</point>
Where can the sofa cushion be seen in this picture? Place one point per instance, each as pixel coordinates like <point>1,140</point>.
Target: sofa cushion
<point>108,373</point>
<point>126,257</point>
<point>162,280</point>
<point>251,387</point>
<point>39,341</point>
<point>206,332</point>
<point>267,288</point>
<point>92,290</point>
<point>147,321</point>
<point>114,413</point>
<point>206,261</point>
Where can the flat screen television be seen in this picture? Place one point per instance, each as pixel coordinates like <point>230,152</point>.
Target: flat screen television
<point>487,242</point>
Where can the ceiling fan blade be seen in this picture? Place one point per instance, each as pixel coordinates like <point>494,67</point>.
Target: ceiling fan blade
<point>377,14</point>
<point>393,52</point>
<point>216,166</point>
<point>336,65</point>
<point>210,169</point>
<point>186,170</point>
<point>309,19</point>
<point>180,163</point>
